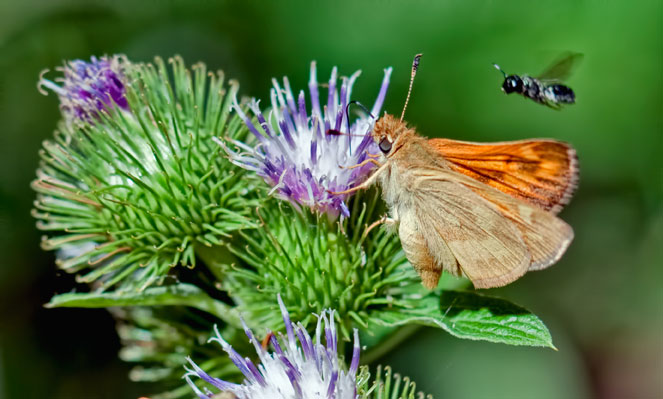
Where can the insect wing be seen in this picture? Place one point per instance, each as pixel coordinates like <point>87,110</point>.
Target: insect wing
<point>541,172</point>
<point>546,236</point>
<point>561,69</point>
<point>487,246</point>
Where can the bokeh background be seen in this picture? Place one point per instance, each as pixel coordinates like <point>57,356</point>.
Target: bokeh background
<point>603,302</point>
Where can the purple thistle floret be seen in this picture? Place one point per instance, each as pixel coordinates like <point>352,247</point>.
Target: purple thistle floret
<point>88,87</point>
<point>299,368</point>
<point>297,155</point>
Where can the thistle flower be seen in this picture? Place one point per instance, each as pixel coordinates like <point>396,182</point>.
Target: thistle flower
<point>295,154</point>
<point>139,192</point>
<point>89,87</point>
<point>299,368</point>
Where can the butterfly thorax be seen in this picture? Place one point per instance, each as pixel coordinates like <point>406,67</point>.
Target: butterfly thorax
<point>409,156</point>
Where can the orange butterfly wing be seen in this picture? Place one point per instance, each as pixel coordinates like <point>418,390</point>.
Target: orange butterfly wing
<point>541,172</point>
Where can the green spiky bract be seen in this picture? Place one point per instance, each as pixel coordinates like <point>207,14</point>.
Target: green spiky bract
<point>386,385</point>
<point>315,264</point>
<point>133,193</point>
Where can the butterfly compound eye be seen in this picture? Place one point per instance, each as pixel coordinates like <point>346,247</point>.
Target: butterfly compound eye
<point>385,145</point>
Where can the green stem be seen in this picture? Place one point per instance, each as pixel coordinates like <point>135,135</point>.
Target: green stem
<point>217,308</point>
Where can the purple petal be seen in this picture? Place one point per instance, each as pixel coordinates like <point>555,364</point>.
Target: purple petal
<point>313,89</point>
<point>383,93</point>
<point>331,94</point>
<point>235,357</point>
<point>305,340</point>
<point>293,375</point>
<point>289,96</point>
<point>218,383</point>
<point>255,373</point>
<point>301,101</point>
<point>235,106</point>
<point>332,384</point>
<point>286,320</point>
<point>356,350</point>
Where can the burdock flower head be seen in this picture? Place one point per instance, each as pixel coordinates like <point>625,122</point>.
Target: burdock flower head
<point>130,195</point>
<point>297,155</point>
<point>300,367</point>
<point>88,87</point>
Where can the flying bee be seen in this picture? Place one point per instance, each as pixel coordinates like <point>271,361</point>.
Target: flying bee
<point>546,88</point>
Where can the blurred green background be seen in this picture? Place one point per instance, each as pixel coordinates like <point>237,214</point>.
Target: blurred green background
<point>603,302</point>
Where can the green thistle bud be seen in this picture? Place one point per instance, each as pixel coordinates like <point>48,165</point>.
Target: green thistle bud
<point>315,264</point>
<point>136,190</point>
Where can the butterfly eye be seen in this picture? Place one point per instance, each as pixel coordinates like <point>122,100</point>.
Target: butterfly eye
<point>385,145</point>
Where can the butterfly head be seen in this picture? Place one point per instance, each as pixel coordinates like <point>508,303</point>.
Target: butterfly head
<point>388,133</point>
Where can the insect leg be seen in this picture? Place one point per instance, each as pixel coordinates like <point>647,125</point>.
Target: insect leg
<point>385,219</point>
<point>367,183</point>
<point>370,160</point>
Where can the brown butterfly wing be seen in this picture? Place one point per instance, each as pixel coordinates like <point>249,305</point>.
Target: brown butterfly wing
<point>541,172</point>
<point>455,222</point>
<point>547,237</point>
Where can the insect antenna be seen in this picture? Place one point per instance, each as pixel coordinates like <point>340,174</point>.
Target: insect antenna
<point>415,66</point>
<point>500,69</point>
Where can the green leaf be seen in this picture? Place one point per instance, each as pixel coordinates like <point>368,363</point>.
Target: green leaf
<point>472,316</point>
<point>179,294</point>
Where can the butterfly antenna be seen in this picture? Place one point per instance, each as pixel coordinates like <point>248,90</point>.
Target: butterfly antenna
<point>415,66</point>
<point>500,69</point>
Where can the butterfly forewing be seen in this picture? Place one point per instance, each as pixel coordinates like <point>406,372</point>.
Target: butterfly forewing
<point>541,172</point>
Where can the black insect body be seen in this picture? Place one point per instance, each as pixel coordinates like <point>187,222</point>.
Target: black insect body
<point>546,88</point>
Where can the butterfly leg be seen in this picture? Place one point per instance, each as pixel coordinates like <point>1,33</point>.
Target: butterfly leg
<point>367,183</point>
<point>359,165</point>
<point>383,220</point>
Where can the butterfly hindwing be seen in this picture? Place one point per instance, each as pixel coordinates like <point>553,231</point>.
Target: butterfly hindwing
<point>488,247</point>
